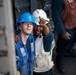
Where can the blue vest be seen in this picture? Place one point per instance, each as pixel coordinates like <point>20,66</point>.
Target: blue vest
<point>25,63</point>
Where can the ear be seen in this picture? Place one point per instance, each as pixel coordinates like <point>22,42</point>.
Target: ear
<point>20,27</point>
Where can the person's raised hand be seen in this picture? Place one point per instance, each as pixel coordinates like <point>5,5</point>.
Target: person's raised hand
<point>42,22</point>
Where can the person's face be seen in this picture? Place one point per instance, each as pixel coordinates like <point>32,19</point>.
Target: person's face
<point>38,30</point>
<point>27,27</point>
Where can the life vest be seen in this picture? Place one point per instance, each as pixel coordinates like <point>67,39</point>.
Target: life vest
<point>43,61</point>
<point>69,14</point>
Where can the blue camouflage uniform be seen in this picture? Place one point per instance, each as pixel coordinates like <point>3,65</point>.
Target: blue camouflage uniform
<point>25,63</point>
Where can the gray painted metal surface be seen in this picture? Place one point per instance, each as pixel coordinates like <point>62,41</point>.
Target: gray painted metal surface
<point>7,51</point>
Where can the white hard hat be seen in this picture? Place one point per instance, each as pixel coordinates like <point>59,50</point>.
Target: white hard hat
<point>40,13</point>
